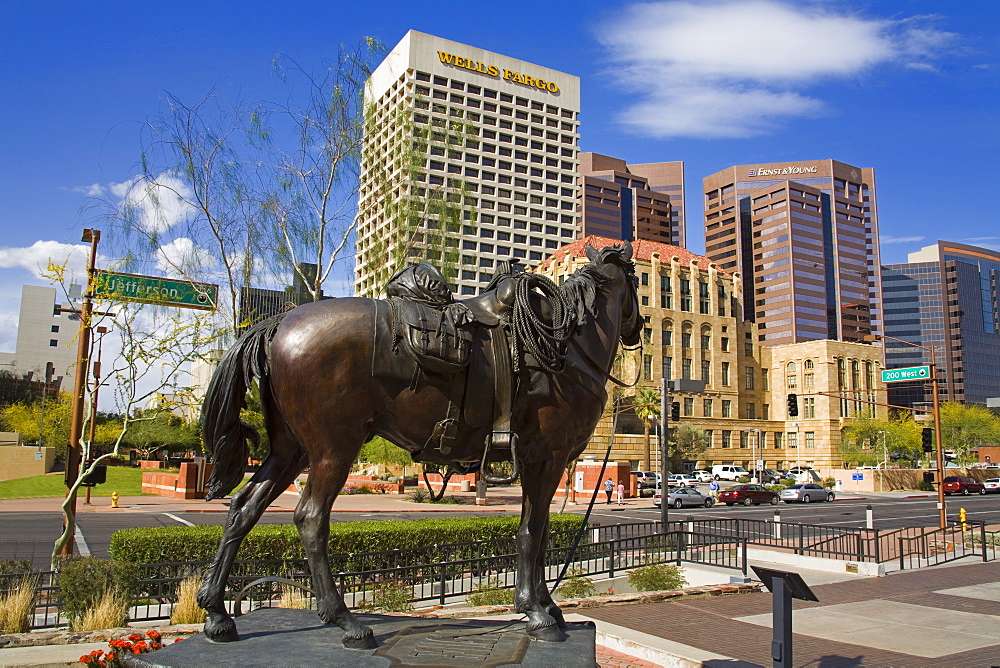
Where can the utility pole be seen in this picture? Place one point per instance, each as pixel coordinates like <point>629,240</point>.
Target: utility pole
<point>665,387</point>
<point>73,451</point>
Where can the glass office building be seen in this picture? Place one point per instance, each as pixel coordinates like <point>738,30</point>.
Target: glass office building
<point>945,298</point>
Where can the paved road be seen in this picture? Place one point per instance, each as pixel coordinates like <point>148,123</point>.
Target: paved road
<point>29,533</point>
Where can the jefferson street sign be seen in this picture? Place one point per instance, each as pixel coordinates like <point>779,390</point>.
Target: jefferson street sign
<point>153,290</point>
<point>906,373</point>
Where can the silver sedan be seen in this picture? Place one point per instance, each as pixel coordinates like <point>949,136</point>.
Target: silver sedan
<point>806,493</point>
<point>685,497</point>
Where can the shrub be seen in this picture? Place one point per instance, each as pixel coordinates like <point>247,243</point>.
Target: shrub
<point>658,577</point>
<point>419,495</point>
<point>490,592</point>
<point>363,489</point>
<point>14,566</point>
<point>111,612</point>
<point>389,596</point>
<point>17,607</point>
<point>787,482</point>
<point>830,483</point>
<point>774,488</point>
<point>154,545</point>
<point>576,586</point>
<point>187,610</point>
<point>743,479</point>
<point>85,581</point>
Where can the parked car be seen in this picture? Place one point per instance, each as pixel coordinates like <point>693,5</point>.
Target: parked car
<point>806,493</point>
<point>728,472</point>
<point>962,484</point>
<point>702,475</point>
<point>646,478</point>
<point>748,495</point>
<point>992,485</point>
<point>770,476</point>
<point>684,497</point>
<point>681,480</point>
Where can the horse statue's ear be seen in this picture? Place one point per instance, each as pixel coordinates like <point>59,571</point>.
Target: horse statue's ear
<point>627,251</point>
<point>593,254</point>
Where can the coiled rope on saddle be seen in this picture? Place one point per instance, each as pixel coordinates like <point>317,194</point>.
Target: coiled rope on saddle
<point>530,334</point>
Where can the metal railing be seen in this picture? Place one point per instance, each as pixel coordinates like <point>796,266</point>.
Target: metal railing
<point>438,580</point>
<point>940,546</point>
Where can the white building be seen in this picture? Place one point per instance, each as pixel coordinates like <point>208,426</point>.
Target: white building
<point>496,136</point>
<point>43,336</point>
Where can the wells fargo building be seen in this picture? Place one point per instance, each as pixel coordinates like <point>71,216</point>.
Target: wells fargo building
<point>494,137</point>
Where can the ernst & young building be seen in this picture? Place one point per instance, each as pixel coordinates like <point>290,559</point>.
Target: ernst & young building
<point>804,235</point>
<point>470,159</point>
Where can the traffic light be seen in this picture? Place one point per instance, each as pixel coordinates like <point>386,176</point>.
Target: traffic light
<point>793,405</point>
<point>929,477</point>
<point>927,439</point>
<point>675,411</point>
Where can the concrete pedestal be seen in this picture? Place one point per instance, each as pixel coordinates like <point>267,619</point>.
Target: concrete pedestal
<point>277,637</point>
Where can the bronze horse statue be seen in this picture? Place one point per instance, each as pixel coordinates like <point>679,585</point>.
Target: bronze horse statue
<point>322,401</point>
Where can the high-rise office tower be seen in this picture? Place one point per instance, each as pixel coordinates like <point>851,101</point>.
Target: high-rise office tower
<point>805,237</point>
<point>622,201</point>
<point>946,298</point>
<point>470,158</point>
<point>44,337</point>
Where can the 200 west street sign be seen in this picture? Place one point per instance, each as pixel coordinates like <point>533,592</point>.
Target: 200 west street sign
<point>906,373</point>
<point>154,290</point>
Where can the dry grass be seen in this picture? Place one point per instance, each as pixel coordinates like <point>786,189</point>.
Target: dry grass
<point>293,598</point>
<point>187,610</point>
<point>17,607</point>
<point>111,612</point>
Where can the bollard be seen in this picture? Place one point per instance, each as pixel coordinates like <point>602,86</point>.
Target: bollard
<point>776,528</point>
<point>480,492</point>
<point>869,517</point>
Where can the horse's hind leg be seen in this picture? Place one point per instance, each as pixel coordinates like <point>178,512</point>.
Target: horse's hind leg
<point>275,475</point>
<point>312,517</point>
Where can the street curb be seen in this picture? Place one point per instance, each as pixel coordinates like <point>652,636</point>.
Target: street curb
<point>918,496</point>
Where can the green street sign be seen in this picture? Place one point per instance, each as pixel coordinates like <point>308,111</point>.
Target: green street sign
<point>154,290</point>
<point>906,373</point>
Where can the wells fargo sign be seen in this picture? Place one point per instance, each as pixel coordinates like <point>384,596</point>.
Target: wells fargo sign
<point>500,73</point>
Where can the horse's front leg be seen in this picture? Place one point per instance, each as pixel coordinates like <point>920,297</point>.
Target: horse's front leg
<point>530,596</point>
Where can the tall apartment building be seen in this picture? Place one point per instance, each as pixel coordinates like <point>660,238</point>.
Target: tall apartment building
<point>622,201</point>
<point>805,237</point>
<point>470,159</point>
<point>43,336</point>
<point>945,297</point>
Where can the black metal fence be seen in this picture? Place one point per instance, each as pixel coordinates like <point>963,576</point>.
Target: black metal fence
<point>453,572</point>
<point>939,546</point>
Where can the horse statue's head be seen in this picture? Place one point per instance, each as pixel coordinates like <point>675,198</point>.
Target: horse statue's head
<point>615,263</point>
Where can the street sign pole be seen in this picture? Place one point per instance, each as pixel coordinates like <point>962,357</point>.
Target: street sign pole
<point>942,513</point>
<point>664,437</point>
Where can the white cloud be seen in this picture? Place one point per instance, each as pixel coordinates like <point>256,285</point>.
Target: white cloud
<point>737,68</point>
<point>36,257</point>
<point>155,205</point>
<point>182,255</point>
<point>93,190</point>
<point>886,239</point>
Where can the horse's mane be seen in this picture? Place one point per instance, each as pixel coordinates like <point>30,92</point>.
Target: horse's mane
<point>580,289</point>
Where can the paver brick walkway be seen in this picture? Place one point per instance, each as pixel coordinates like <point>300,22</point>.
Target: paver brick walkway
<point>720,626</point>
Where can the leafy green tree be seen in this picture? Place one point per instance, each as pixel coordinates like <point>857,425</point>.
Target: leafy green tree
<point>24,418</point>
<point>686,443</point>
<point>380,451</point>
<point>965,426</point>
<point>647,408</point>
<point>154,430</point>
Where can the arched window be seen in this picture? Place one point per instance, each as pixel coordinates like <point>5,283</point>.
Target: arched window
<point>791,378</point>
<point>869,375</point>
<point>809,364</point>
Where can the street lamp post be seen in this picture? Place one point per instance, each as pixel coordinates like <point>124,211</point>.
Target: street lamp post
<point>936,413</point>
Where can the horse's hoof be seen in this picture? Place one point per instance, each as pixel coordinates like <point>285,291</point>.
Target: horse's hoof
<point>220,632</point>
<point>364,642</point>
<point>557,614</point>
<point>548,634</point>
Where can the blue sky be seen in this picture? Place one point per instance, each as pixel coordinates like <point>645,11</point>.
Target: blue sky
<point>908,87</point>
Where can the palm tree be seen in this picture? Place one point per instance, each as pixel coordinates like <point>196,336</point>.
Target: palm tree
<point>646,404</point>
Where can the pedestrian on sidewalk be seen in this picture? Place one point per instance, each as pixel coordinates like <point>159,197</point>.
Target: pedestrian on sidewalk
<point>609,487</point>
<point>713,488</point>
<point>621,493</point>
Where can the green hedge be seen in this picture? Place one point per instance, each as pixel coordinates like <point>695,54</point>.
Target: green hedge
<point>280,542</point>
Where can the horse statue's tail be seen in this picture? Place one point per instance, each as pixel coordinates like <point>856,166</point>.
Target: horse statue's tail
<point>224,434</point>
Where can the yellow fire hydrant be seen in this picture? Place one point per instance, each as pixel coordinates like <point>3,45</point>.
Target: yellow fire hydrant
<point>114,499</point>
<point>962,517</point>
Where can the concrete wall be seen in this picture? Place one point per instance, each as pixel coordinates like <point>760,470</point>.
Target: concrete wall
<point>24,462</point>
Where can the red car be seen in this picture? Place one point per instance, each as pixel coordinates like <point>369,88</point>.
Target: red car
<point>748,495</point>
<point>963,484</point>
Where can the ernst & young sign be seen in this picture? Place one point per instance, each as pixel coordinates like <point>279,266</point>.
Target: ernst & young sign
<point>782,171</point>
<point>500,73</point>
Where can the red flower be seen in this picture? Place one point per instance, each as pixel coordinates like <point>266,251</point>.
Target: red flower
<point>155,635</point>
<point>137,651</point>
<point>97,652</point>
<point>178,639</point>
<point>110,656</point>
<point>87,659</point>
<point>134,637</point>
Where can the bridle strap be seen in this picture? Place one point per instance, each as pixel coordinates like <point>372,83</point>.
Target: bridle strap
<point>607,374</point>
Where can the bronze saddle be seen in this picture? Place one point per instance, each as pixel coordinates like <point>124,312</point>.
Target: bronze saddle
<point>461,346</point>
